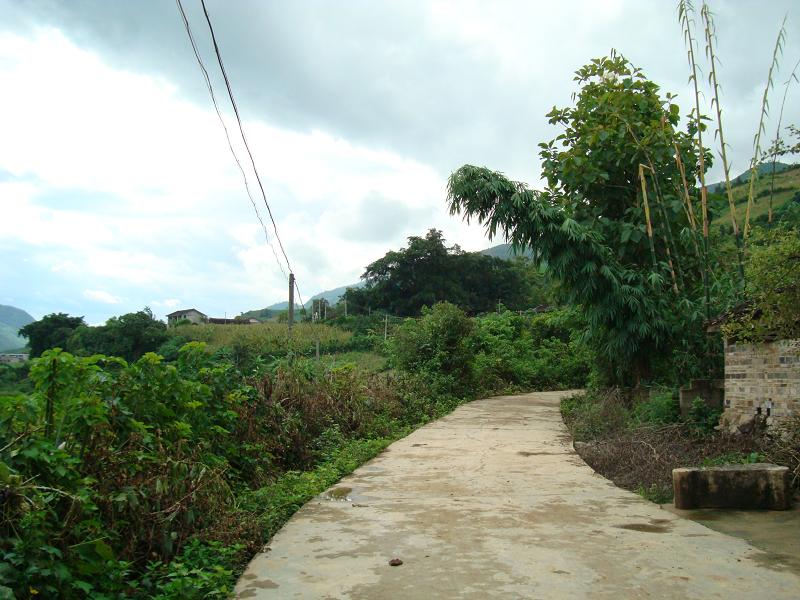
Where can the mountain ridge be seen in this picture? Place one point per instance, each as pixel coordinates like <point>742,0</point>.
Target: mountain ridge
<point>11,320</point>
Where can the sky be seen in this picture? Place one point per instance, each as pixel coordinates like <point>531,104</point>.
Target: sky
<point>118,189</point>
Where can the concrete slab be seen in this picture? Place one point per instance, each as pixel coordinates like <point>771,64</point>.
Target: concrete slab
<point>751,486</point>
<point>492,502</point>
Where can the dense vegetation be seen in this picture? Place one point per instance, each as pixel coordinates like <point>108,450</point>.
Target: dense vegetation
<point>427,272</point>
<point>129,336</point>
<point>160,477</point>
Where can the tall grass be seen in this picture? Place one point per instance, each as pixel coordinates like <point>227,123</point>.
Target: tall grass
<point>266,337</point>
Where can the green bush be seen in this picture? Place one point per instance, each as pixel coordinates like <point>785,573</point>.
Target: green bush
<point>661,409</point>
<point>437,344</point>
<point>702,417</point>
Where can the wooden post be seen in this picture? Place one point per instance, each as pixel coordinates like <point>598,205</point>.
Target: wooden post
<point>385,327</point>
<point>291,302</point>
<point>317,349</point>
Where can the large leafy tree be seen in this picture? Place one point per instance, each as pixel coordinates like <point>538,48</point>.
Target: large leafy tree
<point>427,271</point>
<point>615,223</point>
<point>51,331</point>
<point>128,336</point>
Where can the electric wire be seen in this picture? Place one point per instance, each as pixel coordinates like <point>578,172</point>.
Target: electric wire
<point>241,131</point>
<point>210,88</point>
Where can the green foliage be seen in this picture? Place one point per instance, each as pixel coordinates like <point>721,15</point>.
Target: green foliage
<point>657,493</point>
<point>437,345</point>
<point>590,228</point>
<point>702,417</point>
<point>541,351</point>
<point>51,331</point>
<point>129,336</point>
<point>158,479</point>
<point>660,409</point>
<point>250,347</point>
<point>773,275</point>
<point>427,272</point>
<point>733,458</point>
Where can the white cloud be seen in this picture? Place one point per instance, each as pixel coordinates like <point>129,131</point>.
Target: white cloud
<point>117,179</point>
<point>166,303</point>
<point>101,296</point>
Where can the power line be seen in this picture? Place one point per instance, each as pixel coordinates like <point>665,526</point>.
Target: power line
<point>210,88</point>
<point>241,130</point>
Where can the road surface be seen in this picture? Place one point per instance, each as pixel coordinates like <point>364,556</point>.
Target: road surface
<point>492,502</point>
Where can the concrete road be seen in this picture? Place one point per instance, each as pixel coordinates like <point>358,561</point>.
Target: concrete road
<point>492,502</point>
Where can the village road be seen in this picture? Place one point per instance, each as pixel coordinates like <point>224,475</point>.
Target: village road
<point>492,502</point>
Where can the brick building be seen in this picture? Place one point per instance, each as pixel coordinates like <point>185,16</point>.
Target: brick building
<point>761,379</point>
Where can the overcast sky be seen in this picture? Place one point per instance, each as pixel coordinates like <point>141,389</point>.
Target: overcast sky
<point>118,190</point>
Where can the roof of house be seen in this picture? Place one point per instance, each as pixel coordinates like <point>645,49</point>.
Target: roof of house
<point>184,311</point>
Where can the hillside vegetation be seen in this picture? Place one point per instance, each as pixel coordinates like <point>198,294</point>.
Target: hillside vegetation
<point>786,188</point>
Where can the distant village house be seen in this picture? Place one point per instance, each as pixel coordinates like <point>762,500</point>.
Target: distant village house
<point>195,317</point>
<point>13,358</point>
<point>192,315</point>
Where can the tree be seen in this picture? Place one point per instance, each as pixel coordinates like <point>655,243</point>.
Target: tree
<point>51,331</point>
<point>615,223</point>
<point>772,308</point>
<point>427,272</point>
<point>128,336</point>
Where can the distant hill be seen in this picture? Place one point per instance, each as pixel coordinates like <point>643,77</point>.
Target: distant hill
<point>787,185</point>
<point>504,251</point>
<point>763,169</point>
<point>11,319</point>
<point>332,296</point>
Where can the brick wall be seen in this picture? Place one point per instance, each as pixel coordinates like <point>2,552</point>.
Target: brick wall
<point>761,376</point>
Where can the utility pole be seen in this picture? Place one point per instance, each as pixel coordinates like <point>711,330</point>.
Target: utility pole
<point>385,327</point>
<point>291,302</point>
<point>325,308</point>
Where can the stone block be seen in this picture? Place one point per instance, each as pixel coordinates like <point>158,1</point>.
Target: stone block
<point>759,485</point>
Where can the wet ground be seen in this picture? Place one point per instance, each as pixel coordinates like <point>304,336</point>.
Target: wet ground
<point>492,502</point>
<point>775,532</point>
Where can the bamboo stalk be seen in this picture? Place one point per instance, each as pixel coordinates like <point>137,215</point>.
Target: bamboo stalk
<point>764,112</point>
<point>684,191</point>
<point>710,37</point>
<point>684,8</point>
<point>792,75</point>
<point>664,217</point>
<point>648,222</point>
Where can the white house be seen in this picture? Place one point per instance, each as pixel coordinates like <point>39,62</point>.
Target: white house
<point>192,315</point>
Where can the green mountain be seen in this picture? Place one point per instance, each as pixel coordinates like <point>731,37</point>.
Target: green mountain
<point>11,319</point>
<point>763,169</point>
<point>332,296</point>
<point>504,251</point>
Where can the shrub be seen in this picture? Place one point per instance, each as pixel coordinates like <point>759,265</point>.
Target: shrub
<point>660,409</point>
<point>437,345</point>
<point>702,417</point>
